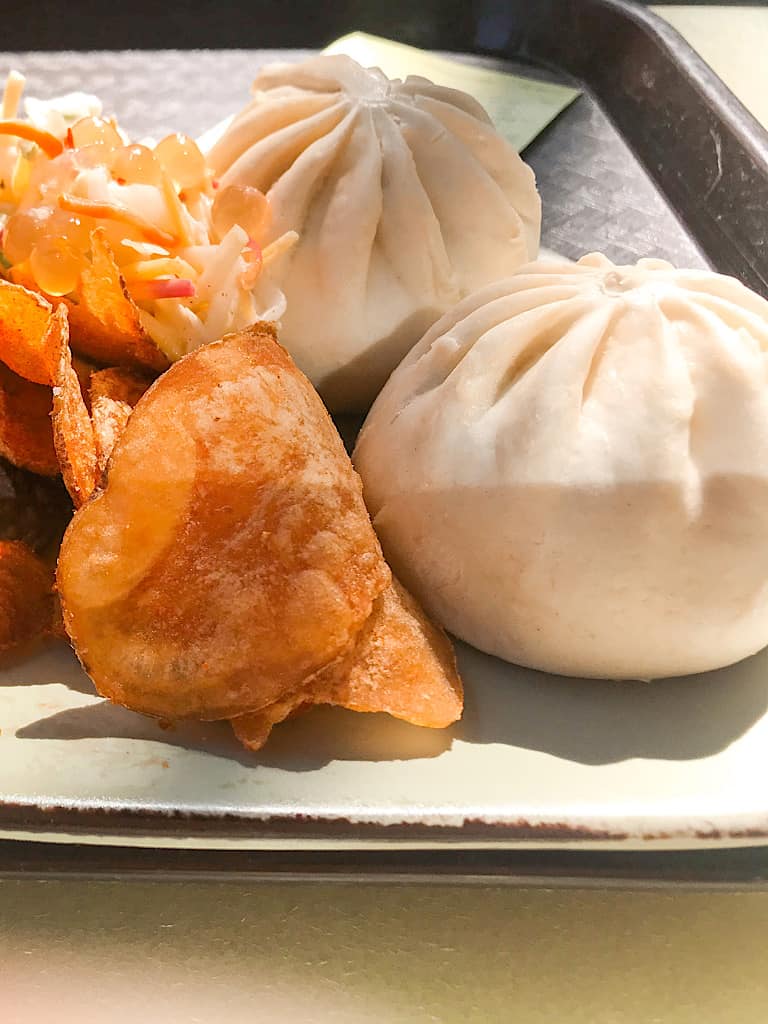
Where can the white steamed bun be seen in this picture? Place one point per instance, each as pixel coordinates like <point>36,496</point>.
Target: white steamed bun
<point>405,199</point>
<point>570,470</point>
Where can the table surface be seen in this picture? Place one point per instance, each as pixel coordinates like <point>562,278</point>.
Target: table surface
<point>77,951</point>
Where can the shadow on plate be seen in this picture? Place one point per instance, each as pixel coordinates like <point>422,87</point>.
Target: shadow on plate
<point>587,721</point>
<point>109,721</point>
<point>306,743</point>
<point>325,734</point>
<point>600,722</point>
<point>53,663</point>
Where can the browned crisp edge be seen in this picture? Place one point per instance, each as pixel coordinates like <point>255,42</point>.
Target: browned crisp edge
<point>126,821</point>
<point>621,867</point>
<point>129,821</point>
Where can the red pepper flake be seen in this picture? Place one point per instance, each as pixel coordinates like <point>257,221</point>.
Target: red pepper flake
<point>162,288</point>
<point>214,182</point>
<point>69,141</point>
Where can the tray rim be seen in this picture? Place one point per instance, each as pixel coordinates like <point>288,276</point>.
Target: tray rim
<point>136,823</point>
<point>692,90</point>
<point>729,869</point>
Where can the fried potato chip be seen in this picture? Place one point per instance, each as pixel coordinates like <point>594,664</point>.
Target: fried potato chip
<point>113,395</point>
<point>26,437</point>
<point>401,664</point>
<point>37,346</point>
<point>84,369</point>
<point>26,597</point>
<point>57,620</point>
<point>230,554</point>
<point>104,321</point>
<point>253,730</point>
<point>25,340</point>
<point>33,508</point>
<point>72,427</point>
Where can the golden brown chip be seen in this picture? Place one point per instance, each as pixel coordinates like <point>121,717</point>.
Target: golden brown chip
<point>113,394</point>
<point>35,509</point>
<point>104,321</point>
<point>26,597</point>
<point>230,554</point>
<point>401,664</point>
<point>25,341</point>
<point>253,730</point>
<point>72,428</point>
<point>118,385</point>
<point>84,369</point>
<point>26,437</point>
<point>37,344</point>
<point>57,620</point>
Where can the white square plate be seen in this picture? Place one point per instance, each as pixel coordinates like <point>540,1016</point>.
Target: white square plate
<point>536,760</point>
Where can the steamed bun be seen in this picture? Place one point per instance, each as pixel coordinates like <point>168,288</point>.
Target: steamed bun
<point>405,199</point>
<point>570,470</point>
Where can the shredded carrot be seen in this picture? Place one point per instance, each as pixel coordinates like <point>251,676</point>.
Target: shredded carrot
<point>49,144</point>
<point>114,211</point>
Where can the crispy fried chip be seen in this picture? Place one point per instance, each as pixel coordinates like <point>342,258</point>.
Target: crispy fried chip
<point>26,597</point>
<point>401,664</point>
<point>26,437</point>
<point>253,730</point>
<point>230,554</point>
<point>57,620</point>
<point>113,394</point>
<point>72,428</point>
<point>84,369</point>
<point>36,344</point>
<point>33,508</point>
<point>104,322</point>
<point>25,341</point>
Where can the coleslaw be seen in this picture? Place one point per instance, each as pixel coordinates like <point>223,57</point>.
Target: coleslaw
<point>192,255</point>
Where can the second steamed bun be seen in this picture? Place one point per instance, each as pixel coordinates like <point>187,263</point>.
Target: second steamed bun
<point>405,199</point>
<point>571,469</point>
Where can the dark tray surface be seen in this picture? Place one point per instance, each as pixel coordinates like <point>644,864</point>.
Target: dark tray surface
<point>596,194</point>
